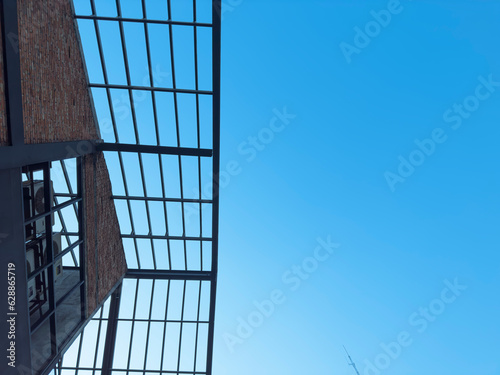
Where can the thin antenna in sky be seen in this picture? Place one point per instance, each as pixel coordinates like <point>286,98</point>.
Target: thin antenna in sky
<point>350,362</point>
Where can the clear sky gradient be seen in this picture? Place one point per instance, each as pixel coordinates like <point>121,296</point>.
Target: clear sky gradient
<point>359,201</point>
<point>325,173</point>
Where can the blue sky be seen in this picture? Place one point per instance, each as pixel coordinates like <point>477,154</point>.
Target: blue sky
<point>364,154</point>
<point>324,175</point>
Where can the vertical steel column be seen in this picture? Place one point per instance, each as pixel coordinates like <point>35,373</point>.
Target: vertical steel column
<point>81,234</point>
<point>14,323</point>
<point>216,56</point>
<point>47,189</point>
<point>109,346</point>
<point>14,312</point>
<point>12,68</point>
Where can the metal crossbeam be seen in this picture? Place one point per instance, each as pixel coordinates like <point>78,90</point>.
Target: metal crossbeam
<point>52,209</point>
<point>166,237</point>
<point>143,20</point>
<point>168,275</point>
<point>150,88</point>
<point>161,150</point>
<point>159,199</point>
<point>24,154</point>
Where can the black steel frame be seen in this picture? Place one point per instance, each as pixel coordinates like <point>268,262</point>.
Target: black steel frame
<point>14,251</point>
<point>204,275</point>
<point>28,154</point>
<point>12,254</point>
<point>15,159</point>
<point>18,155</point>
<point>48,267</point>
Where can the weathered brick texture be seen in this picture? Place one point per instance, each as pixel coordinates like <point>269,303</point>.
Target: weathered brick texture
<point>105,255</point>
<point>57,107</point>
<point>56,101</point>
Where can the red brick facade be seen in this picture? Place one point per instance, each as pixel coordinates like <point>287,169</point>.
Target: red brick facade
<point>105,255</point>
<point>57,107</point>
<point>56,101</point>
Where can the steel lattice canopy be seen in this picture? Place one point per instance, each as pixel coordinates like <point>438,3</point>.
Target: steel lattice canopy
<point>154,75</point>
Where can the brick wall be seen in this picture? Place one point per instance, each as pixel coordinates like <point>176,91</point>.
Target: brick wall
<point>106,263</point>
<point>3,120</point>
<point>56,101</point>
<point>57,107</point>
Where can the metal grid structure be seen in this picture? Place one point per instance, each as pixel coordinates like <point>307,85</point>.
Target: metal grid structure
<point>44,328</point>
<point>18,224</point>
<point>161,320</point>
<point>167,334</point>
<point>165,188</point>
<point>56,302</point>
